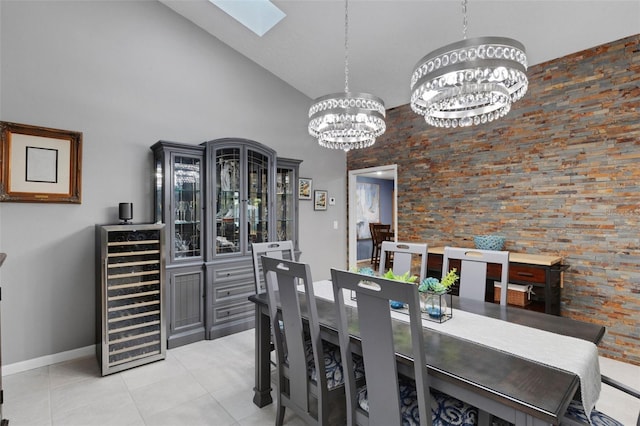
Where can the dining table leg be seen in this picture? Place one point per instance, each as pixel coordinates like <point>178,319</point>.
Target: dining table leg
<point>262,389</point>
<point>484,418</point>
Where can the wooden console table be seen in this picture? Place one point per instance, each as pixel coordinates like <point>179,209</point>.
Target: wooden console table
<point>543,272</point>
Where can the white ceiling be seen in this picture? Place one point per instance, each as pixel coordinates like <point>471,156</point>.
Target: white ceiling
<point>388,37</point>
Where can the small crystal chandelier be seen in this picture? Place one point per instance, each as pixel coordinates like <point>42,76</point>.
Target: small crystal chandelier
<point>469,82</point>
<point>347,120</point>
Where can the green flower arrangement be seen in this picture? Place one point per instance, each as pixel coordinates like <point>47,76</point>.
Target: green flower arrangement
<point>437,286</point>
<point>405,278</point>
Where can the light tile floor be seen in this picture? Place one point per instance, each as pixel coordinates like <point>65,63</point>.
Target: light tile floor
<point>204,383</point>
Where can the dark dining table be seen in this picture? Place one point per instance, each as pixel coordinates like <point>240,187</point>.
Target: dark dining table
<point>513,388</point>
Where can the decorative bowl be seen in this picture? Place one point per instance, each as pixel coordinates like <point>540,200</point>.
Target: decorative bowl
<point>396,305</point>
<point>489,242</point>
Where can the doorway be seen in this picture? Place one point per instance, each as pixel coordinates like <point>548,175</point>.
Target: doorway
<point>387,173</point>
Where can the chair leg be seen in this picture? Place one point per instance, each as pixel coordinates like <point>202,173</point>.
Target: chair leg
<point>280,415</point>
<point>374,257</point>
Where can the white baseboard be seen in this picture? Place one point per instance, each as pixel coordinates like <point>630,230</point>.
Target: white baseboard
<point>46,360</point>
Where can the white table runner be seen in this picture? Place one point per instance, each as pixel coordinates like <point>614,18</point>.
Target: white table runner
<point>567,353</point>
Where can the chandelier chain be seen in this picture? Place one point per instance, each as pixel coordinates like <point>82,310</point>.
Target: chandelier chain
<point>346,46</point>
<point>347,120</point>
<point>464,19</point>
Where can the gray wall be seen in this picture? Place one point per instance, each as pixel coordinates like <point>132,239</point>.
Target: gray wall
<point>127,74</point>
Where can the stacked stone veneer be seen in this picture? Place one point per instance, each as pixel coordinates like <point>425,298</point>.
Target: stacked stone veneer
<point>559,175</point>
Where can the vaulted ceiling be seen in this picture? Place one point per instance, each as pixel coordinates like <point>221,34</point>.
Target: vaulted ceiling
<point>388,37</point>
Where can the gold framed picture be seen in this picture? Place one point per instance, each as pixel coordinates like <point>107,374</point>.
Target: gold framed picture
<point>39,164</point>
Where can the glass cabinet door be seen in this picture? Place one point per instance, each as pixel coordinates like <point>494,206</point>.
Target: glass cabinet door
<point>284,204</point>
<point>243,175</point>
<point>228,200</point>
<point>258,197</point>
<point>186,203</point>
<point>286,216</point>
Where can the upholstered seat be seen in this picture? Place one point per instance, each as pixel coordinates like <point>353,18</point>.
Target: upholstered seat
<point>443,406</point>
<point>332,365</point>
<point>575,413</point>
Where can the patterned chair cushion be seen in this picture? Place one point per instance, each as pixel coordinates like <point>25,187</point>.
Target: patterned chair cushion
<point>333,364</point>
<point>575,412</point>
<point>445,410</point>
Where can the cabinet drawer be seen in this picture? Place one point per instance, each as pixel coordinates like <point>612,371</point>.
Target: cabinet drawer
<point>233,271</point>
<point>520,272</point>
<point>227,312</point>
<point>233,290</point>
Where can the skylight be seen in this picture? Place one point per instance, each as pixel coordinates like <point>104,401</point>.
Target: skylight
<point>257,15</point>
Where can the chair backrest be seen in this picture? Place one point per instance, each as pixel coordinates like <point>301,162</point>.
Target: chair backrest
<point>378,346</point>
<point>403,256</point>
<point>276,250</point>
<point>282,278</point>
<point>375,229</point>
<point>473,270</point>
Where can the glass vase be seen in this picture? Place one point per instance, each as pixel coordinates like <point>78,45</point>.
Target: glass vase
<point>435,305</point>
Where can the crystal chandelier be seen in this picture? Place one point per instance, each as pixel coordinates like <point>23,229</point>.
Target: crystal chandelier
<point>347,120</point>
<point>469,82</point>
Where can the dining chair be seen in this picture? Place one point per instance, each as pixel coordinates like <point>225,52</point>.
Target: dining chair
<point>403,256</point>
<point>310,379</point>
<point>473,271</point>
<point>576,416</point>
<point>377,230</point>
<point>389,398</point>
<point>277,250</point>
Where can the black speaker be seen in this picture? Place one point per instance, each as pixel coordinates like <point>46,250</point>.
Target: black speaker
<point>126,212</point>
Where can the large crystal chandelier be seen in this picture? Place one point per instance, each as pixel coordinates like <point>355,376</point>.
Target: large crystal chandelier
<point>347,120</point>
<point>469,82</point>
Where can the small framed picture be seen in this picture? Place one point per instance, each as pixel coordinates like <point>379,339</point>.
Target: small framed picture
<point>320,200</point>
<point>304,188</point>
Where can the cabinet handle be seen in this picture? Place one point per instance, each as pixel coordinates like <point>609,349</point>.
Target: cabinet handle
<point>525,274</point>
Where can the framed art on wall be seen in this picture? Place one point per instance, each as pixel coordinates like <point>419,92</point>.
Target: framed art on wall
<point>319,200</point>
<point>40,165</point>
<point>367,208</point>
<point>304,188</point>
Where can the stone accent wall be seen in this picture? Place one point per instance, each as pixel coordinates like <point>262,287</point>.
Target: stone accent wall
<point>560,174</point>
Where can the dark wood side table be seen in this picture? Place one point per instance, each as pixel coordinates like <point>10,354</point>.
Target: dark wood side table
<point>543,272</point>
